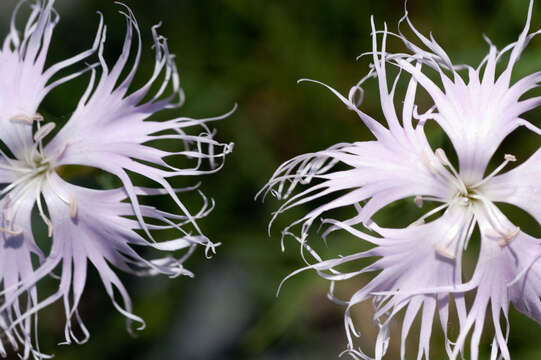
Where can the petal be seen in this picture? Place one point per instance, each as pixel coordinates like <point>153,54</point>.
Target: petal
<point>17,272</point>
<point>410,262</point>
<point>399,164</point>
<point>380,172</point>
<point>507,270</point>
<point>95,226</point>
<point>24,81</point>
<point>519,186</point>
<point>110,130</point>
<point>479,114</point>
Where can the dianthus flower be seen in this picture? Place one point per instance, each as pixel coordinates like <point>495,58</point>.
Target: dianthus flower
<point>109,130</point>
<point>419,267</point>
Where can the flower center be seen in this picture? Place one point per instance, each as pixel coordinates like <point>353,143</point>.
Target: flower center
<point>471,199</point>
<point>464,194</point>
<point>30,171</point>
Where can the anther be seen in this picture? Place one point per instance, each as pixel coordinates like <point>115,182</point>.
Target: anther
<point>509,157</point>
<point>442,157</point>
<point>49,228</point>
<point>418,200</point>
<point>443,251</point>
<point>37,117</point>
<point>510,236</point>
<point>73,207</point>
<point>11,232</point>
<point>26,119</point>
<point>43,131</point>
<point>22,119</point>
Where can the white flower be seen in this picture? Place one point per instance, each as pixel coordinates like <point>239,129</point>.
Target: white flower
<point>110,129</point>
<point>420,266</point>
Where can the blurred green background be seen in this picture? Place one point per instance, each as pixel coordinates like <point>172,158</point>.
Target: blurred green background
<point>252,53</point>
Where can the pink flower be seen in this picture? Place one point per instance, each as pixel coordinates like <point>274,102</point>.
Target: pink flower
<point>110,129</point>
<point>420,267</point>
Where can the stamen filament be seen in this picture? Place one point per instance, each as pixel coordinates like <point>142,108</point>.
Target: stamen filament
<point>430,213</point>
<point>442,157</point>
<point>507,159</point>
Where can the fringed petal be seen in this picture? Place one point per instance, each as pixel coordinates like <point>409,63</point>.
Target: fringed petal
<point>420,265</point>
<point>399,164</point>
<point>508,270</point>
<point>479,114</point>
<point>519,186</point>
<point>417,258</point>
<point>110,129</point>
<point>95,226</point>
<point>17,272</point>
<point>24,81</point>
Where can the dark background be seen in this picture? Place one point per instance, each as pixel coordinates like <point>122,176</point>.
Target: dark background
<point>252,53</point>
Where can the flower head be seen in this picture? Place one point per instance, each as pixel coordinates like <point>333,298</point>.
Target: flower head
<point>419,267</point>
<point>110,129</point>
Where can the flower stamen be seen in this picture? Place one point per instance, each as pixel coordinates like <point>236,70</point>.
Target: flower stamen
<point>444,160</point>
<point>421,220</point>
<point>445,252</point>
<point>26,119</point>
<point>509,236</point>
<point>507,159</point>
<point>503,238</point>
<point>10,232</point>
<point>73,206</point>
<point>43,131</point>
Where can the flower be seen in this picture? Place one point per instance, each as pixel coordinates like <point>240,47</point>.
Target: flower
<point>419,267</point>
<point>110,130</point>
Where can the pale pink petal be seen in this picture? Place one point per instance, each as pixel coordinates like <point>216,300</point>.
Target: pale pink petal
<point>476,115</point>
<point>24,81</point>
<point>17,273</point>
<point>508,270</point>
<point>399,164</point>
<point>110,129</point>
<point>520,186</point>
<point>94,226</point>
<point>413,259</point>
